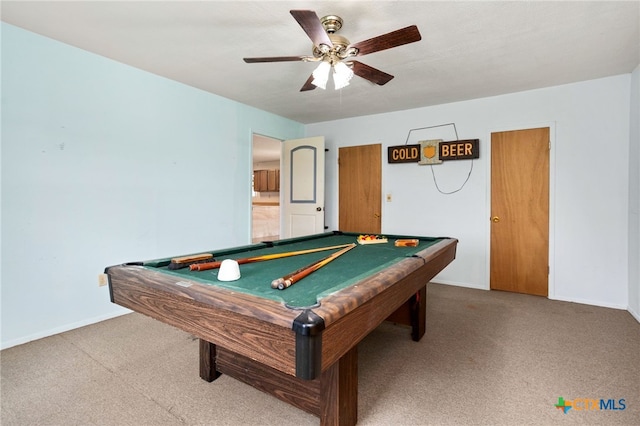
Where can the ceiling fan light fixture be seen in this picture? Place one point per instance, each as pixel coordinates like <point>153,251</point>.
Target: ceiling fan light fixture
<point>321,75</point>
<point>332,50</point>
<point>342,74</point>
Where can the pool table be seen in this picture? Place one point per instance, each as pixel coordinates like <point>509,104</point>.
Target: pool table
<point>300,343</point>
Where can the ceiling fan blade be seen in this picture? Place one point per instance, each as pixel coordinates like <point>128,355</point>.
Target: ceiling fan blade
<point>274,59</point>
<point>311,25</point>
<point>307,84</point>
<point>395,38</point>
<point>372,74</point>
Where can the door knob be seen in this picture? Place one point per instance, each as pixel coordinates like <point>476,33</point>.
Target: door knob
<point>376,215</point>
<point>318,209</point>
<point>495,219</point>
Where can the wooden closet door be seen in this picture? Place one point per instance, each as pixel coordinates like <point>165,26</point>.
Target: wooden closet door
<point>520,211</point>
<point>360,189</point>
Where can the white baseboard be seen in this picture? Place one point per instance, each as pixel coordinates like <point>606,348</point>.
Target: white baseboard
<point>457,284</point>
<point>590,302</point>
<point>62,329</point>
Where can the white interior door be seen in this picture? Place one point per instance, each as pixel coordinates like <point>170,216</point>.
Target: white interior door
<point>302,187</point>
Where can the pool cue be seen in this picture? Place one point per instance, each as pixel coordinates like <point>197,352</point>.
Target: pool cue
<point>292,278</point>
<point>216,264</point>
<point>274,283</point>
<point>279,282</point>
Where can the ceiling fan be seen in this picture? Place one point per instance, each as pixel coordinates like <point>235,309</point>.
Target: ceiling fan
<point>336,52</point>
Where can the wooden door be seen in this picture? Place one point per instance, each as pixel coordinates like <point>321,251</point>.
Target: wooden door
<point>520,211</point>
<point>360,188</point>
<point>302,182</point>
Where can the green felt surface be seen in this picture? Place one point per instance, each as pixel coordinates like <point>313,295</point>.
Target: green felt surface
<point>256,278</point>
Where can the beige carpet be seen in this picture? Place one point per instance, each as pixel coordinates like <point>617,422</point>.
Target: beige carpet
<point>488,358</point>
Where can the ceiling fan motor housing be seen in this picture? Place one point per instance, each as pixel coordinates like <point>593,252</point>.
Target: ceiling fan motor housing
<point>331,23</point>
<point>339,49</point>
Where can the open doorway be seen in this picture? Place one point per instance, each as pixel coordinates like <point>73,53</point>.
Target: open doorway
<point>265,190</point>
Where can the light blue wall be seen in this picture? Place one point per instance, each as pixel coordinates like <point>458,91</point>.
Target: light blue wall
<point>590,145</point>
<point>634,197</point>
<point>103,163</point>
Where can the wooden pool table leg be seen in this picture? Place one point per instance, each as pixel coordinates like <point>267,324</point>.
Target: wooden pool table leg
<point>413,313</point>
<point>334,399</point>
<point>418,314</point>
<point>208,369</point>
<point>339,391</point>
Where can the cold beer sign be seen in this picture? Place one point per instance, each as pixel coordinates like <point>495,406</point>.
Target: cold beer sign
<point>434,151</point>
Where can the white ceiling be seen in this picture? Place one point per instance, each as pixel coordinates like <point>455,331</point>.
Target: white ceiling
<point>468,49</point>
